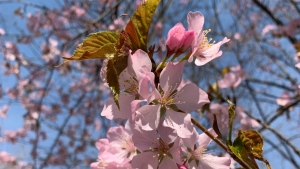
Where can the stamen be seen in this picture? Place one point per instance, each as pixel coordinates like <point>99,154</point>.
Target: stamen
<point>205,43</point>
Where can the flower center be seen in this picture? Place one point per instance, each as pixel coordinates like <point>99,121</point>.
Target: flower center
<point>168,96</point>
<point>198,153</point>
<point>128,145</point>
<point>133,86</point>
<point>161,149</point>
<point>205,42</point>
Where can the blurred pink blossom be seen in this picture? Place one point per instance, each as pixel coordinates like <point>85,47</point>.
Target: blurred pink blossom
<point>232,78</point>
<point>284,99</point>
<point>237,36</point>
<point>118,23</point>
<point>158,27</point>
<point>267,29</point>
<point>221,112</point>
<point>2,32</point>
<point>3,111</point>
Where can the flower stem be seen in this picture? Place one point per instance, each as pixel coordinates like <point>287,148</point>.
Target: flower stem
<point>223,146</point>
<point>163,62</point>
<point>186,57</point>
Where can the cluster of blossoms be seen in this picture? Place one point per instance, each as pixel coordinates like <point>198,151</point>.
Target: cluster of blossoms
<point>159,132</point>
<point>7,160</point>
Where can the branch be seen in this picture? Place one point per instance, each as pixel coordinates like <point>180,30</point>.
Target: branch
<point>276,133</point>
<point>92,23</point>
<point>44,164</point>
<point>281,110</point>
<point>272,16</point>
<point>223,146</point>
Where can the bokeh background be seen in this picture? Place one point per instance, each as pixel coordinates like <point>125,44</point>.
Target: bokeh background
<point>50,116</point>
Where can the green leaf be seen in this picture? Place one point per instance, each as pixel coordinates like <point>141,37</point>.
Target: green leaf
<point>115,66</point>
<point>96,46</point>
<point>231,115</point>
<point>253,143</point>
<point>240,151</point>
<point>141,20</point>
<point>248,146</point>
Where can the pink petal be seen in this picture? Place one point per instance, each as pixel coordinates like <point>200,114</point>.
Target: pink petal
<point>175,36</point>
<point>191,98</point>
<point>146,160</point>
<point>143,140</point>
<point>180,122</point>
<point>170,77</point>
<point>195,22</point>
<point>111,110</point>
<point>168,163</point>
<point>190,142</point>
<point>204,140</point>
<point>210,53</point>
<point>148,116</point>
<point>212,162</point>
<point>187,40</point>
<point>101,144</point>
<point>146,84</point>
<point>138,60</point>
<point>135,104</point>
<point>116,134</point>
<point>125,79</point>
<point>167,134</point>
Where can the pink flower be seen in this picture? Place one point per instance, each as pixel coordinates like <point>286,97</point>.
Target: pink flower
<point>221,112</point>
<point>134,79</point>
<point>233,78</point>
<point>111,110</point>
<point>189,98</point>
<point>202,49</point>
<point>159,149</point>
<point>179,39</point>
<point>117,150</point>
<point>134,82</point>
<point>196,157</point>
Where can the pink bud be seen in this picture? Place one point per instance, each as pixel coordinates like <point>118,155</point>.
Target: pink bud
<point>175,36</point>
<point>187,40</point>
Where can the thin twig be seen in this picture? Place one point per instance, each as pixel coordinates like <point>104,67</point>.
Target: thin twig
<point>294,148</point>
<point>223,146</point>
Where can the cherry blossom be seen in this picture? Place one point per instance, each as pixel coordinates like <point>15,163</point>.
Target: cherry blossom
<point>189,98</point>
<point>232,78</point>
<point>160,148</point>
<point>117,150</point>
<point>179,39</point>
<point>202,49</point>
<point>134,82</point>
<point>196,156</point>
